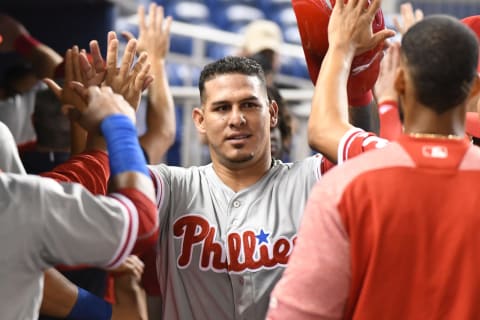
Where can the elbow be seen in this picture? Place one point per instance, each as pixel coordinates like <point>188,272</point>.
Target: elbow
<point>316,133</point>
<point>169,137</point>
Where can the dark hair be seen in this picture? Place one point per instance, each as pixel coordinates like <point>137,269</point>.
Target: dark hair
<point>284,117</point>
<point>230,65</point>
<point>442,55</point>
<point>52,127</point>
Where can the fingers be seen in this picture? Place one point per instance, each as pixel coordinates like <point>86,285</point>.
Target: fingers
<point>111,36</point>
<point>148,81</point>
<point>140,72</point>
<point>152,16</point>
<point>86,68</point>
<point>135,265</point>
<point>111,64</point>
<point>128,56</point>
<point>77,74</point>
<point>382,36</point>
<point>68,66</point>
<point>79,89</point>
<point>418,15</point>
<point>98,62</point>
<point>141,19</point>
<point>141,78</point>
<point>127,35</point>
<point>159,18</point>
<point>167,25</point>
<point>373,8</point>
<point>52,85</point>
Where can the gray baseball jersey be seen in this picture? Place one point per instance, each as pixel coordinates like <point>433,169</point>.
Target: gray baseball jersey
<point>9,158</point>
<point>221,252</point>
<point>43,223</point>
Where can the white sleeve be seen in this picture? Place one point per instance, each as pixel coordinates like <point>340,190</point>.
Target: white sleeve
<point>70,225</point>
<point>356,141</point>
<point>9,158</point>
<point>16,112</point>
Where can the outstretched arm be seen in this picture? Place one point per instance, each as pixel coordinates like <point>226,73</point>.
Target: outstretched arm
<point>349,34</point>
<point>154,38</point>
<point>386,95</point>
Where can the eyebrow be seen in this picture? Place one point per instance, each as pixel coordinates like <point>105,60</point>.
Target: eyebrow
<point>221,102</point>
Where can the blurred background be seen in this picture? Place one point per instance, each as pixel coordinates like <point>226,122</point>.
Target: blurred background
<point>203,30</point>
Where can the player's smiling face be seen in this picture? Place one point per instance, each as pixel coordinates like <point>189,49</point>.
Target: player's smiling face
<point>236,118</point>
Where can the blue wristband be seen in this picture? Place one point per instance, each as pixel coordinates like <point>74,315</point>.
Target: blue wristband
<point>90,307</point>
<point>123,147</point>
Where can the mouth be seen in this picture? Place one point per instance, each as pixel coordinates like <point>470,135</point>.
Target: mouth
<point>238,139</point>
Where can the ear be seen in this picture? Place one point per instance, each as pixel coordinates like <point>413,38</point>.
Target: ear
<point>198,119</point>
<point>273,109</point>
<point>475,90</point>
<point>399,83</point>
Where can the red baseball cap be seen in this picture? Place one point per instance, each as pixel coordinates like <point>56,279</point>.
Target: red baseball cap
<point>312,20</point>
<point>473,22</point>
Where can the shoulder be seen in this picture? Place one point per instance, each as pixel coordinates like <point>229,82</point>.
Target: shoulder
<point>339,177</point>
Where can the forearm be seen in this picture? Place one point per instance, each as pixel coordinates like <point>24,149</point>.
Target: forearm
<point>328,119</point>
<point>59,294</point>
<point>161,124</point>
<point>78,138</point>
<point>130,299</point>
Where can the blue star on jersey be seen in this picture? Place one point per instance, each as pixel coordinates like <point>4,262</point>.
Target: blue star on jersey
<point>262,237</point>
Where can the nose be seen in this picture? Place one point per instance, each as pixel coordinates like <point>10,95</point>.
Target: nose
<point>237,118</point>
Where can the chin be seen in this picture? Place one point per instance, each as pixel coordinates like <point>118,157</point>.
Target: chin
<point>242,159</point>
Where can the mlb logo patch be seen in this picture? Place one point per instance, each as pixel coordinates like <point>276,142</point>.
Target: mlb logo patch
<point>437,152</point>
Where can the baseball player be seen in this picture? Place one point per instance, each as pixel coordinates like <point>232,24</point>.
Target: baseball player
<point>228,228</point>
<point>51,223</point>
<point>374,230</point>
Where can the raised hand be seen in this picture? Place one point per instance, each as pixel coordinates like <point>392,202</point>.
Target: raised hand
<point>93,74</point>
<point>350,26</point>
<point>154,34</point>
<point>67,95</point>
<point>384,88</point>
<point>409,17</point>
<point>102,102</point>
<point>127,81</point>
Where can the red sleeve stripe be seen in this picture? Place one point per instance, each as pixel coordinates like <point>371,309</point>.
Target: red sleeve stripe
<point>345,143</point>
<point>129,233</point>
<point>158,183</point>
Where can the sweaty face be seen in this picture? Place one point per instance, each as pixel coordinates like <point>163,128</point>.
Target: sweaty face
<point>236,119</point>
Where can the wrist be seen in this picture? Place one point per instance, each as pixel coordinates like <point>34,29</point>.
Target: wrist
<point>125,153</point>
<point>24,44</point>
<point>91,307</point>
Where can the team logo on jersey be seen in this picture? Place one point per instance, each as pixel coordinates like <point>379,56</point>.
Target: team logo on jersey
<point>248,250</point>
<point>439,152</point>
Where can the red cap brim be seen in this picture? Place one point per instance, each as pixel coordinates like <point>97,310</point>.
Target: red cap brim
<point>472,124</point>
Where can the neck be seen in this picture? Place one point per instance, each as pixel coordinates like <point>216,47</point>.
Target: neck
<point>426,122</point>
<point>238,177</point>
